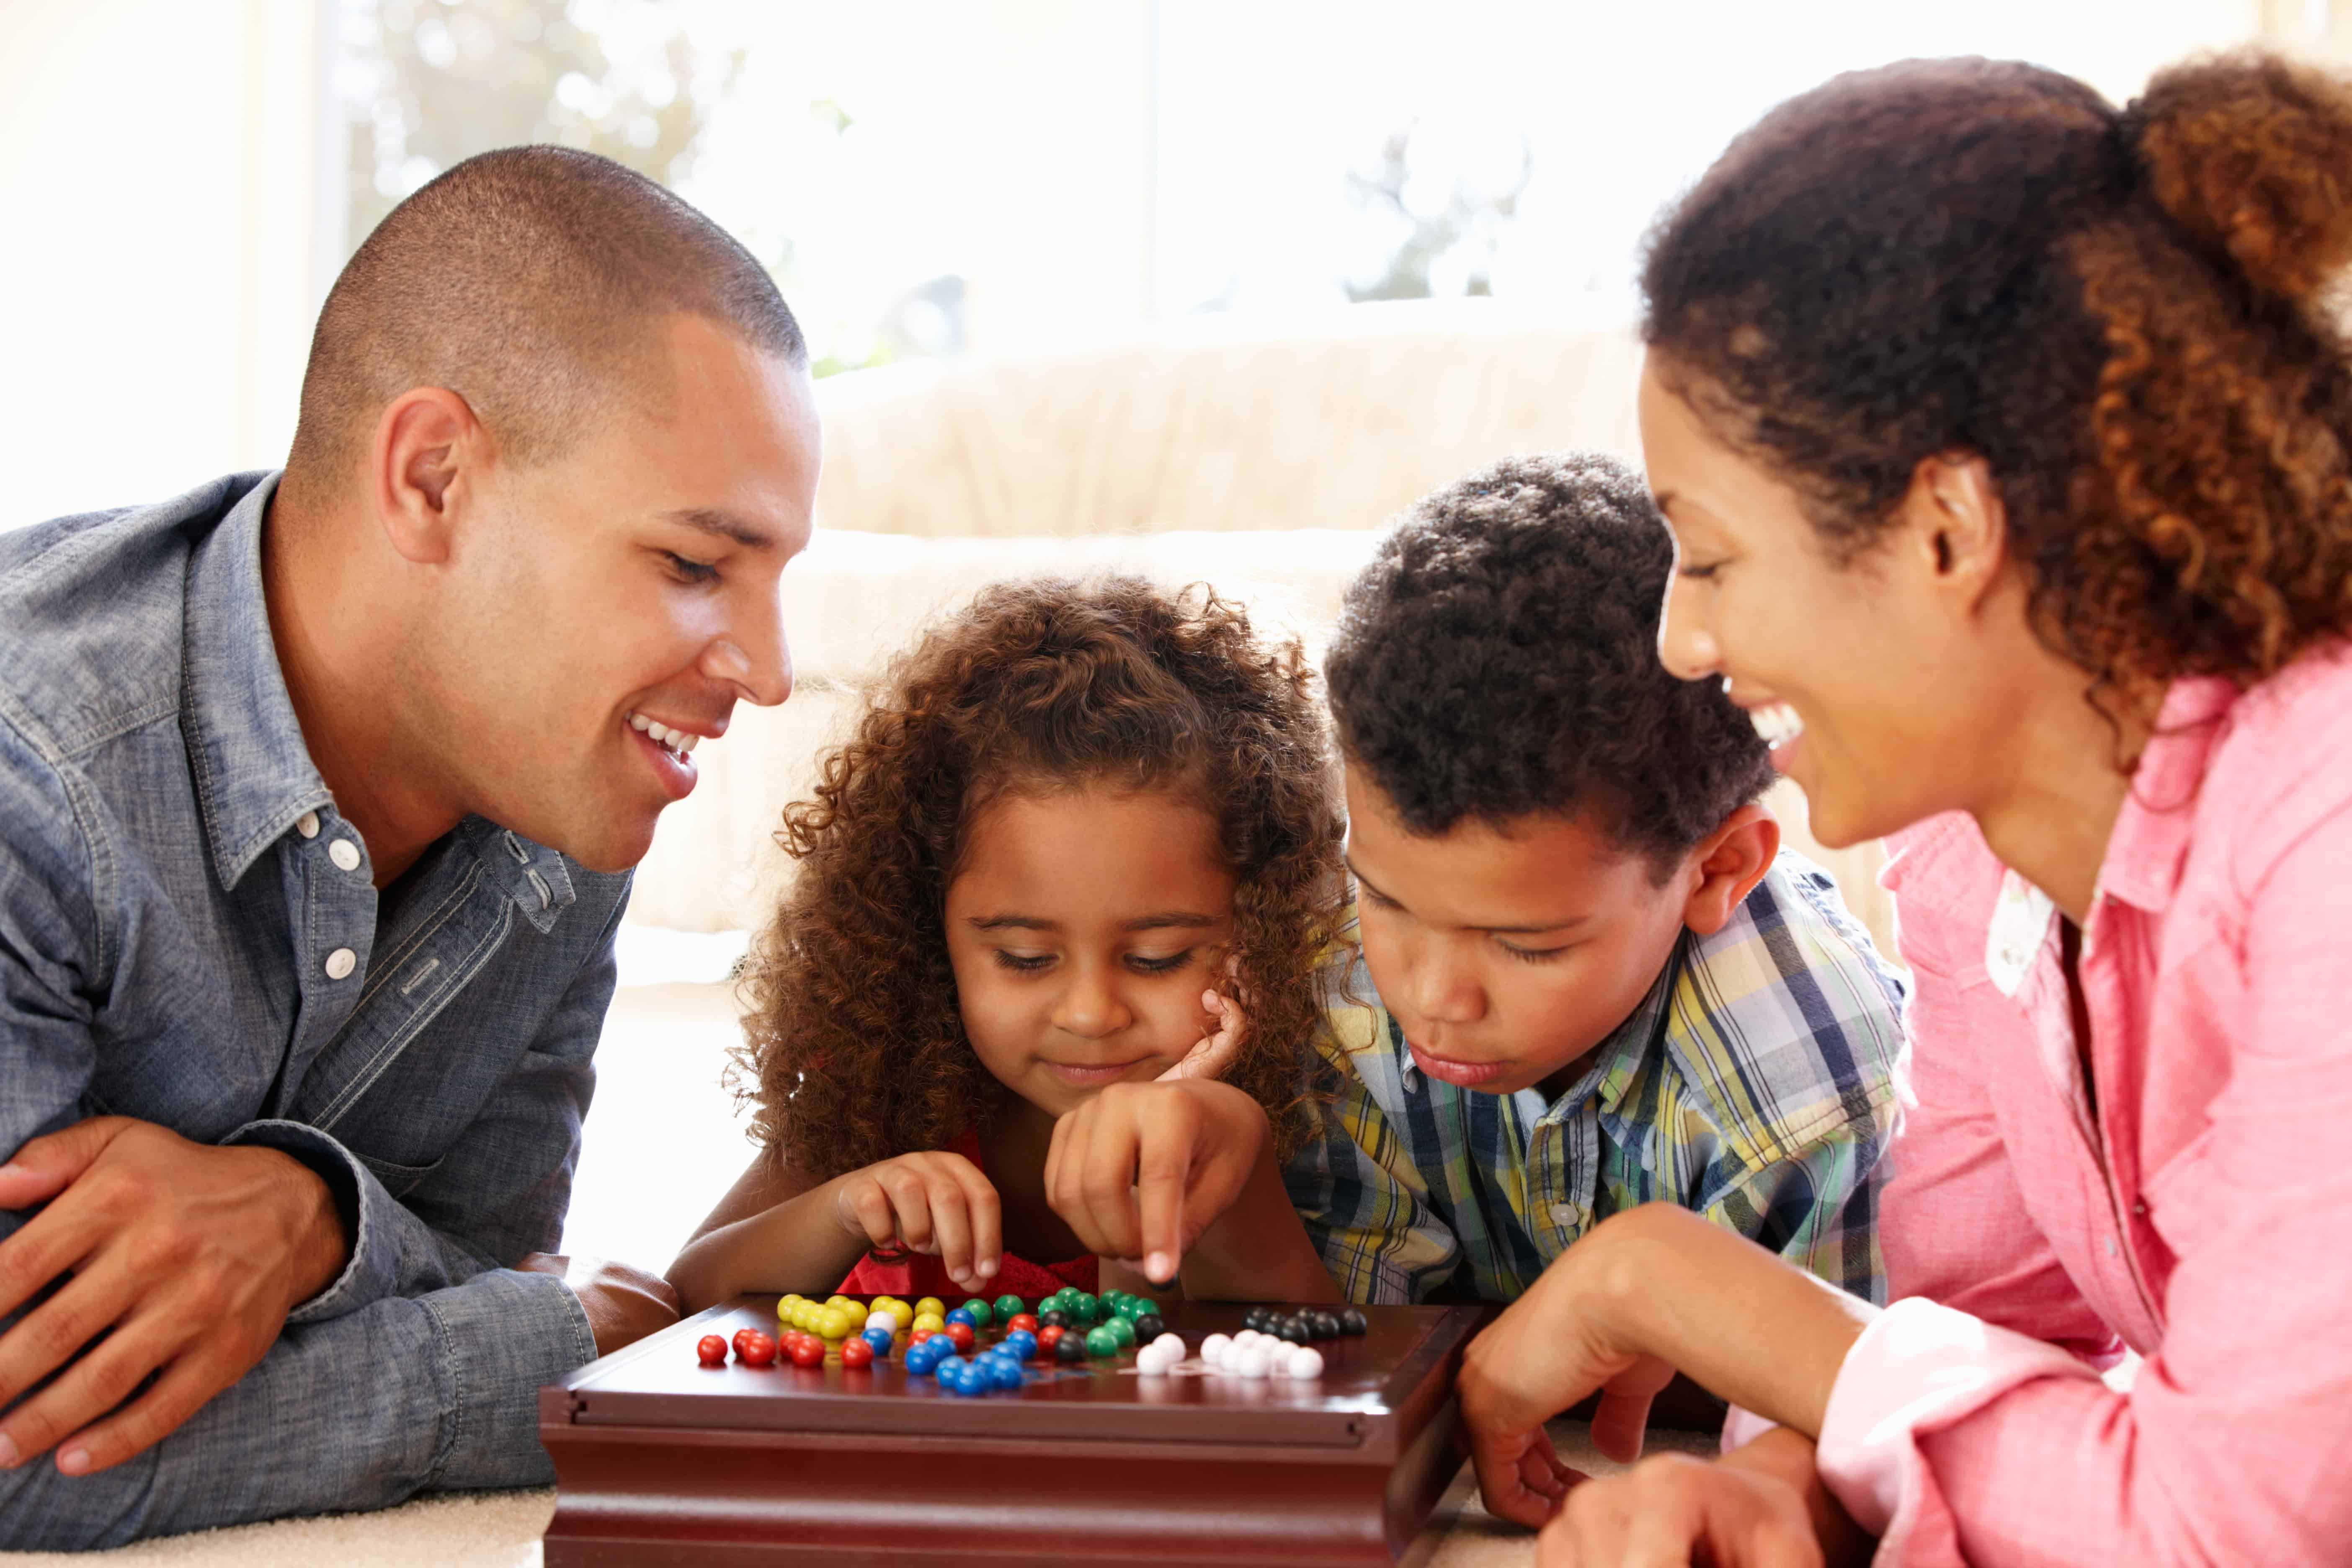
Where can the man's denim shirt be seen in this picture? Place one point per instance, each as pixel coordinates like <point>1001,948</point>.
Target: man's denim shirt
<point>186,938</point>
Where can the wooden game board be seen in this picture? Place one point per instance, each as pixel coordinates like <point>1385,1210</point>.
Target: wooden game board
<point>661,1462</point>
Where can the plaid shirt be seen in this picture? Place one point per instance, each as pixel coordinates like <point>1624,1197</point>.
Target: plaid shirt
<point>1757,1083</point>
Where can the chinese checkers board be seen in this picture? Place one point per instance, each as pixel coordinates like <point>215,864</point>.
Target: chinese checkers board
<point>662,1461</point>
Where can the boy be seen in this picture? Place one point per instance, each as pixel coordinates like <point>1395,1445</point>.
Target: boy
<point>1592,979</point>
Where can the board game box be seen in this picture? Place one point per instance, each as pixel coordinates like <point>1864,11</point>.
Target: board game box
<point>662,1460</point>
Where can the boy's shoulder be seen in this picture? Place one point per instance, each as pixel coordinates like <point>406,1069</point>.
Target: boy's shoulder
<point>1788,1021</point>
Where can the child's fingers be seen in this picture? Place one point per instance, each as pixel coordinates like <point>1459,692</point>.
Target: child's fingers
<point>1103,1174</point>
<point>952,1227</point>
<point>986,1217</point>
<point>871,1205</point>
<point>1161,1170</point>
<point>911,1207</point>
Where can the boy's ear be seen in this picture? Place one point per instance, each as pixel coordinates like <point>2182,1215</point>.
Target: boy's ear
<point>1729,862</point>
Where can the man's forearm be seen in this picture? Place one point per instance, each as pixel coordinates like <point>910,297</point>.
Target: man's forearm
<point>361,1411</point>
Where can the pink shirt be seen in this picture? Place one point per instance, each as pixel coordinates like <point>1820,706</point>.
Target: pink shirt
<point>2202,1217</point>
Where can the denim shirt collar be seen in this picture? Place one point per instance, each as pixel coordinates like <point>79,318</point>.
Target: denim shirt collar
<point>254,776</point>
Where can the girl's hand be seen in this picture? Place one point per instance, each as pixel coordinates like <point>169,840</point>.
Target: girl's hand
<point>1222,1043</point>
<point>1141,1169</point>
<point>932,1203</point>
<point>1673,1509</point>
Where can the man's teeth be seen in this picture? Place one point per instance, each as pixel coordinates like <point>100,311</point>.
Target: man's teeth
<point>678,740</point>
<point>1778,724</point>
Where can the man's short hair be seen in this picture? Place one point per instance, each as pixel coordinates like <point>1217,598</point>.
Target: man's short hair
<point>1498,658</point>
<point>525,280</point>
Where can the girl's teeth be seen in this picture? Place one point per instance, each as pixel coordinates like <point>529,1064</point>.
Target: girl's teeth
<point>639,722</point>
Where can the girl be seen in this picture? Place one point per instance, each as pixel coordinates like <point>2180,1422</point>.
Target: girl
<point>1072,813</point>
<point>2007,444</point>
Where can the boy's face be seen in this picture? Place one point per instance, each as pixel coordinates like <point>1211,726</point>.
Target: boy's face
<point>1083,928</point>
<point>1506,957</point>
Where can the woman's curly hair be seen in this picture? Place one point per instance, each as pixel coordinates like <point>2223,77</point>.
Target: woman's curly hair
<point>854,1045</point>
<point>2122,312</point>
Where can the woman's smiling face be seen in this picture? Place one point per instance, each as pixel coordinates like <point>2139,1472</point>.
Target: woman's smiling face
<point>1847,665</point>
<point>1083,926</point>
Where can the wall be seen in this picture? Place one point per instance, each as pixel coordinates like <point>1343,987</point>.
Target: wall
<point>159,172</point>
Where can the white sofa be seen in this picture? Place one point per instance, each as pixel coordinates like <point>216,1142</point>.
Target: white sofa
<point>1265,465</point>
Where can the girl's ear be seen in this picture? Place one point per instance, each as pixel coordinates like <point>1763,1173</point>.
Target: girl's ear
<point>1727,864</point>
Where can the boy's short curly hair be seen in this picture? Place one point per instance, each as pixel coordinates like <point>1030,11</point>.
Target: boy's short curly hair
<point>854,1045</point>
<point>1498,658</point>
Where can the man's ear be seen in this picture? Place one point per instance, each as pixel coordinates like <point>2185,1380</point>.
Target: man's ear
<point>426,444</point>
<point>1729,862</point>
<point>1957,525</point>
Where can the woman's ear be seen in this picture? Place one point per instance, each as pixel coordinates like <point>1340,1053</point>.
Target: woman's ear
<point>1958,526</point>
<point>1728,863</point>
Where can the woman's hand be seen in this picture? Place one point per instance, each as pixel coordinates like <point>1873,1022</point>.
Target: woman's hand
<point>1548,1350</point>
<point>932,1203</point>
<point>1761,1506</point>
<point>1139,1169</point>
<point>1645,1293</point>
<point>1672,1510</point>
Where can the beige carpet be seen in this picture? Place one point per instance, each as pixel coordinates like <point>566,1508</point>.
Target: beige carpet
<point>501,1530</point>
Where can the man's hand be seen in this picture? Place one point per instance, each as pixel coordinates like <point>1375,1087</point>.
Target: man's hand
<point>1140,1169</point>
<point>185,1260</point>
<point>624,1304</point>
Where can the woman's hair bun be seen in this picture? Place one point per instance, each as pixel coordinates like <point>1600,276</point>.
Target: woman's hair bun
<point>2252,153</point>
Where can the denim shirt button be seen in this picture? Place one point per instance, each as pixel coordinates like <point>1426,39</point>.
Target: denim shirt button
<point>307,825</point>
<point>344,854</point>
<point>341,963</point>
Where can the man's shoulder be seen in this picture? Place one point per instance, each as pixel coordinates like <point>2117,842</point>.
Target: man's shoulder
<point>1788,1024</point>
<point>90,617</point>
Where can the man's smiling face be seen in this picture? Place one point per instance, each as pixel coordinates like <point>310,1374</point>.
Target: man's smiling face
<point>1506,954</point>
<point>624,595</point>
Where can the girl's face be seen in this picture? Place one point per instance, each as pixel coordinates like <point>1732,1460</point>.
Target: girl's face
<point>1856,670</point>
<point>1084,925</point>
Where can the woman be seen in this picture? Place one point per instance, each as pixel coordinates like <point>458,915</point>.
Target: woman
<point>2004,441</point>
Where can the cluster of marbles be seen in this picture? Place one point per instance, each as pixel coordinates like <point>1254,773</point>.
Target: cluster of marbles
<point>1250,1353</point>
<point>1068,1327</point>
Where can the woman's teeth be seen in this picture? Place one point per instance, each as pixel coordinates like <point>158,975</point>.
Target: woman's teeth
<point>675,741</point>
<point>1778,724</point>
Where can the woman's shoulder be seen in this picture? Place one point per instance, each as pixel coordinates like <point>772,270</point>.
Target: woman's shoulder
<point>2279,760</point>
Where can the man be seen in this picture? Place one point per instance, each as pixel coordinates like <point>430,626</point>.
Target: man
<point>319,792</point>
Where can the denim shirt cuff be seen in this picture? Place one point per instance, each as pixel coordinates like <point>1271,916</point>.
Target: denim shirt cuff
<point>361,1198</point>
<point>504,1336</point>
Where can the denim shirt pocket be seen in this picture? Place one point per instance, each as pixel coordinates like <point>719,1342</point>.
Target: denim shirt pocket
<point>397,1179</point>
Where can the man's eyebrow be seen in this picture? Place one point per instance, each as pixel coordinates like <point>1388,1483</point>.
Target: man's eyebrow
<point>1569,924</point>
<point>748,535</point>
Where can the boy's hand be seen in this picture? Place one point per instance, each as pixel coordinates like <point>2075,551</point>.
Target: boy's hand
<point>1141,1169</point>
<point>1222,1043</point>
<point>933,1203</point>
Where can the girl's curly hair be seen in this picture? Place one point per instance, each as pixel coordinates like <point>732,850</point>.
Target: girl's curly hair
<point>2122,312</point>
<point>854,1045</point>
